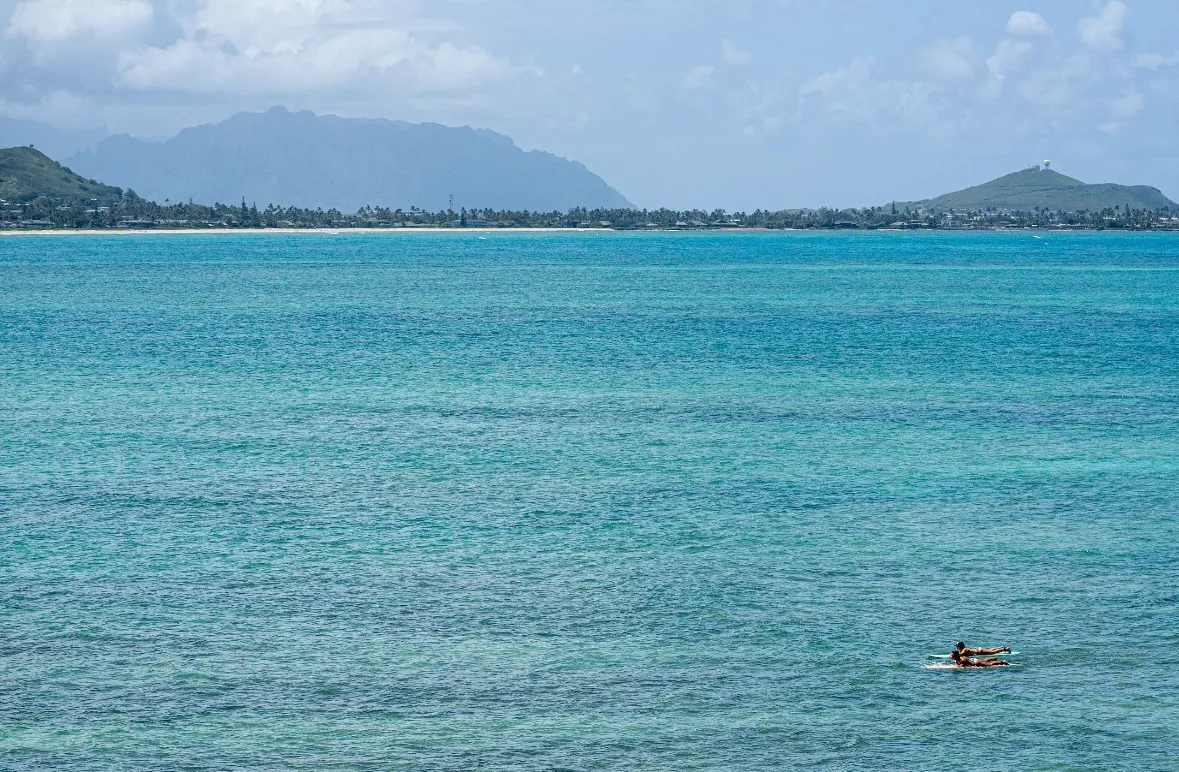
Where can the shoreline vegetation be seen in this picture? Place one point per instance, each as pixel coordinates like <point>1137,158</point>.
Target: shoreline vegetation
<point>131,213</point>
<point>39,194</point>
<point>33,232</point>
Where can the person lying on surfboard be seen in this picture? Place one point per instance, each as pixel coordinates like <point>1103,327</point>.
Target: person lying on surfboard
<point>962,661</point>
<point>965,652</point>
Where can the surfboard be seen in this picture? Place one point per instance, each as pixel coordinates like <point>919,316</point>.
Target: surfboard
<point>1004,654</point>
<point>952,666</point>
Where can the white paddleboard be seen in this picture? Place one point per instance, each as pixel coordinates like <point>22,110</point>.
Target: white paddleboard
<point>1004,654</point>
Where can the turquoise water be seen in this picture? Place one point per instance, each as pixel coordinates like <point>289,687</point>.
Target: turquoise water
<point>588,501</point>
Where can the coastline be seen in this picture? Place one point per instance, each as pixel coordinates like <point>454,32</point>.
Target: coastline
<point>232,231</point>
<point>14,232</point>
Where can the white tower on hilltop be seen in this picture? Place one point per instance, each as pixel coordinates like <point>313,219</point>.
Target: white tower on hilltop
<point>1047,166</point>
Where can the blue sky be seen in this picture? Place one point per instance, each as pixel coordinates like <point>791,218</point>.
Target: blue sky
<point>737,104</point>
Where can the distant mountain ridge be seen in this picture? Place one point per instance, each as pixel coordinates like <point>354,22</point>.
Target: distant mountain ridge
<point>27,174</point>
<point>53,141</point>
<point>1048,189</point>
<point>308,160</point>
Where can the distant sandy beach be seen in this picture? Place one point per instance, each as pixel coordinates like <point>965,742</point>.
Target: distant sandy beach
<point>261,231</point>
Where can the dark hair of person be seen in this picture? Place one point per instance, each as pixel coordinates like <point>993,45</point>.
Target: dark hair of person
<point>961,645</point>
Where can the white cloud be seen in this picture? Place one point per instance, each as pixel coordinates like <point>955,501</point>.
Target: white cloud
<point>1028,24</point>
<point>853,79</point>
<point>1060,88</point>
<point>1156,61</point>
<point>859,90</point>
<point>1051,84</point>
<point>733,55</point>
<point>1128,105</point>
<point>60,108</point>
<point>1008,56</point>
<point>952,59</point>
<point>303,46</point>
<point>1103,32</point>
<point>700,77</point>
<point>44,22</point>
<point>767,125</point>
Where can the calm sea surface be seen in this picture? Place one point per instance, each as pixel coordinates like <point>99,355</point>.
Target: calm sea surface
<point>588,501</point>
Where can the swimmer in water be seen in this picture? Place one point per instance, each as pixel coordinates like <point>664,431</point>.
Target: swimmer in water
<point>962,661</point>
<point>965,652</point>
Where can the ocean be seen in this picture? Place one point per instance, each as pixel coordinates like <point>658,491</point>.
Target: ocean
<point>588,501</point>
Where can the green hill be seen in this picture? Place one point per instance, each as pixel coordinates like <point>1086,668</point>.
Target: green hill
<point>27,174</point>
<point>1050,190</point>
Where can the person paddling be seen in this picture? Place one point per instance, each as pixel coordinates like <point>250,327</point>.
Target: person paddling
<point>962,649</point>
<point>962,661</point>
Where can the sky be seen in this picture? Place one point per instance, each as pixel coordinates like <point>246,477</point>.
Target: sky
<point>736,104</point>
